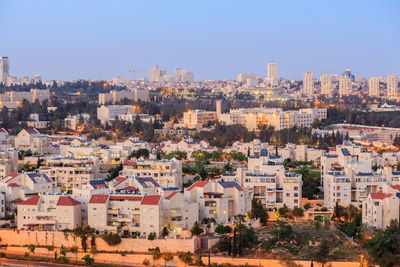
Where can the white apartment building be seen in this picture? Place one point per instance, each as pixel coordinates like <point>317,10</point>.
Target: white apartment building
<point>272,73</point>
<point>109,113</point>
<point>347,175</point>
<point>266,180</point>
<point>276,117</point>
<point>373,87</point>
<point>178,212</point>
<point>252,148</point>
<point>186,145</point>
<point>133,184</point>
<point>295,152</point>
<point>244,77</point>
<point>31,139</point>
<point>183,75</point>
<point>326,84</point>
<point>344,85</point>
<point>8,161</point>
<point>20,186</point>
<point>84,193</point>
<point>72,121</point>
<point>379,208</point>
<point>69,173</point>
<point>198,118</point>
<point>219,200</point>
<point>167,173</point>
<point>308,84</point>
<point>49,212</point>
<point>392,85</point>
<point>115,96</point>
<point>133,213</point>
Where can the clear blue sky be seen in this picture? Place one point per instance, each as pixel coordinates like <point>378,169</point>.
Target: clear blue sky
<point>215,39</point>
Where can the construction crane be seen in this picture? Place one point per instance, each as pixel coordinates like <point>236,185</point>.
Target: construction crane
<point>134,72</point>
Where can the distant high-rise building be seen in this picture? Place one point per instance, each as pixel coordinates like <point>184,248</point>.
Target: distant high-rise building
<point>4,69</point>
<point>392,85</point>
<point>243,77</point>
<point>326,84</point>
<point>308,83</point>
<point>373,86</point>
<point>183,75</point>
<point>348,73</point>
<point>156,75</point>
<point>272,73</point>
<point>344,85</point>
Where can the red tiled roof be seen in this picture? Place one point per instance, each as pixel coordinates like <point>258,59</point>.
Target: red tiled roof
<point>11,176</point>
<point>171,195</point>
<point>198,184</point>
<point>129,163</point>
<point>13,185</point>
<point>136,198</point>
<point>120,179</point>
<point>67,201</point>
<point>397,187</point>
<point>151,200</point>
<point>98,199</point>
<point>17,200</point>
<point>380,195</point>
<point>31,201</point>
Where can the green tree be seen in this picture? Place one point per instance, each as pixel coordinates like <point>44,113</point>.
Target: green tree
<point>155,253</point>
<point>298,212</point>
<point>196,230</point>
<point>258,211</point>
<point>223,229</point>
<point>322,252</point>
<point>165,232</point>
<point>89,261</point>
<point>384,246</point>
<point>186,257</point>
<point>32,248</point>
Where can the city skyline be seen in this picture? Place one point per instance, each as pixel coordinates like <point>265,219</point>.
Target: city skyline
<point>119,36</point>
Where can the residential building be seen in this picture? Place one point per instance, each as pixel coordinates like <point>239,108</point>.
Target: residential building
<point>128,212</point>
<point>373,86</point>
<point>70,173</point>
<point>21,186</point>
<point>308,84</point>
<point>326,84</point>
<point>219,200</point>
<point>49,212</point>
<point>272,73</point>
<point>379,208</point>
<point>167,173</point>
<point>198,118</point>
<point>183,75</point>
<point>344,86</point>
<point>8,161</point>
<point>392,86</point>
<point>266,180</point>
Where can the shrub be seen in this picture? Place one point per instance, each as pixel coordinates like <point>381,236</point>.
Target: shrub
<point>111,239</point>
<point>152,236</point>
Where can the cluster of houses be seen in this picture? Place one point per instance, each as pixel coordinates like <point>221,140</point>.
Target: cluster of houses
<point>69,186</point>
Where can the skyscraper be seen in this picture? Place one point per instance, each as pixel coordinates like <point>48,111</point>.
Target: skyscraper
<point>308,83</point>
<point>326,84</point>
<point>4,69</point>
<point>373,87</point>
<point>183,75</point>
<point>272,73</point>
<point>344,85</point>
<point>392,86</point>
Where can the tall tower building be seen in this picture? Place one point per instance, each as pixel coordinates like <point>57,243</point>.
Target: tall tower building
<point>272,73</point>
<point>344,85</point>
<point>4,69</point>
<point>392,86</point>
<point>156,75</point>
<point>218,109</point>
<point>373,86</point>
<point>326,84</point>
<point>308,83</point>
